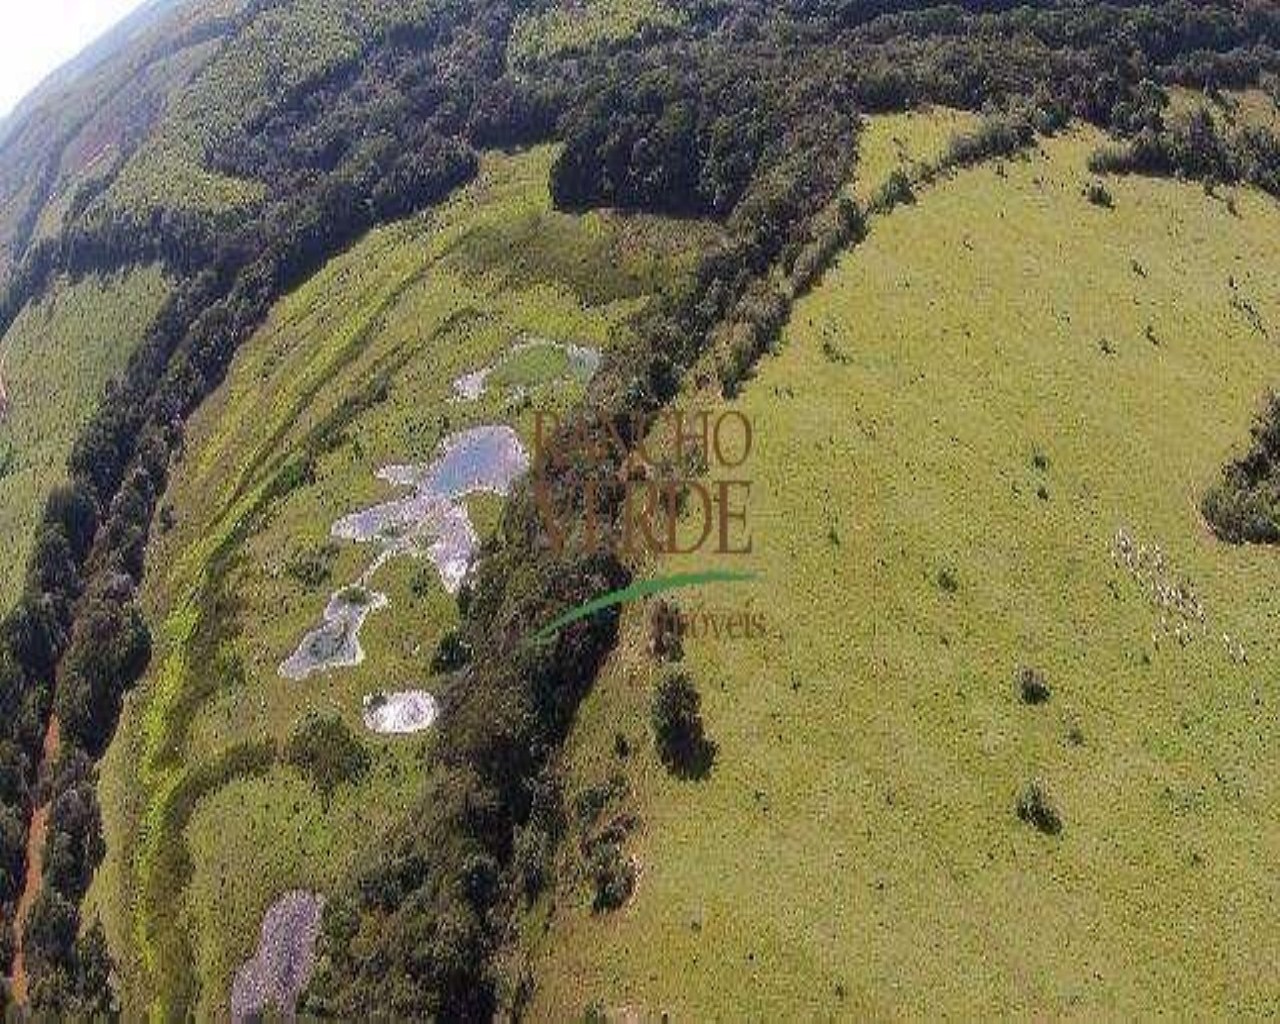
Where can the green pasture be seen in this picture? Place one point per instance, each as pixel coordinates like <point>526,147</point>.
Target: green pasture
<point>55,361</point>
<point>959,422</point>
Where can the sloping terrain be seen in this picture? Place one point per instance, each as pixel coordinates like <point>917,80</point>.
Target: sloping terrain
<point>66,140</point>
<point>54,363</point>
<point>353,371</point>
<point>1032,394</point>
<point>996,284</point>
<point>905,143</point>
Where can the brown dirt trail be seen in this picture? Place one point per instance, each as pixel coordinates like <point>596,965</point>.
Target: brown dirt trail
<point>35,865</point>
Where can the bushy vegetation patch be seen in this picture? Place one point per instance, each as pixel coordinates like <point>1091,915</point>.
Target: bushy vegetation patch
<point>1002,136</point>
<point>678,731</point>
<point>313,567</point>
<point>1098,195</point>
<point>1196,149</point>
<point>1244,506</point>
<point>612,875</point>
<point>1033,688</point>
<point>896,191</point>
<point>1037,808</point>
<point>323,749</point>
<point>452,653</point>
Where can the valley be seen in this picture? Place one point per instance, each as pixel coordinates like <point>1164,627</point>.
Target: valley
<point>370,647</point>
<point>355,371</point>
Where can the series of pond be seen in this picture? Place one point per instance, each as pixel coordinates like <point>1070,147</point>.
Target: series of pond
<point>428,520</point>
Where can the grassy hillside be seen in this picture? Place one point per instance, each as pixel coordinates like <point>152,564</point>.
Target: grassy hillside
<point>961,419</point>
<point>79,126</point>
<point>906,142</point>
<point>972,418</point>
<point>575,28</point>
<point>278,54</point>
<point>55,361</point>
<point>355,368</point>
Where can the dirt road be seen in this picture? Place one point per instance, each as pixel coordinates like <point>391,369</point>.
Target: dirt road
<point>35,868</point>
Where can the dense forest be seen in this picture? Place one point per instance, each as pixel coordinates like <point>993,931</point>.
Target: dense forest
<point>744,111</point>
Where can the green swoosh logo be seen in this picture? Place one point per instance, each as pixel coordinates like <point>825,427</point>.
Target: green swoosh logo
<point>635,592</point>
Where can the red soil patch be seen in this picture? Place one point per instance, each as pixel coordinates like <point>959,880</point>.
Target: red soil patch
<point>35,869</point>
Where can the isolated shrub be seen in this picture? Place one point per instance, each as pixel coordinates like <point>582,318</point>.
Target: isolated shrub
<point>452,653</point>
<point>1097,194</point>
<point>676,717</point>
<point>1032,685</point>
<point>665,641</point>
<point>323,749</point>
<point>355,595</point>
<point>948,580</point>
<point>896,191</point>
<point>1036,807</point>
<point>612,876</point>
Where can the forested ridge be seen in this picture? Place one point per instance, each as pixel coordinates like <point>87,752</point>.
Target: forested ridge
<point>745,112</point>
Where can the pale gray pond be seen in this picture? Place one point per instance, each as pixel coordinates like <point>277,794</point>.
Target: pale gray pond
<point>281,969</point>
<point>400,714</point>
<point>433,520</point>
<point>336,643</point>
